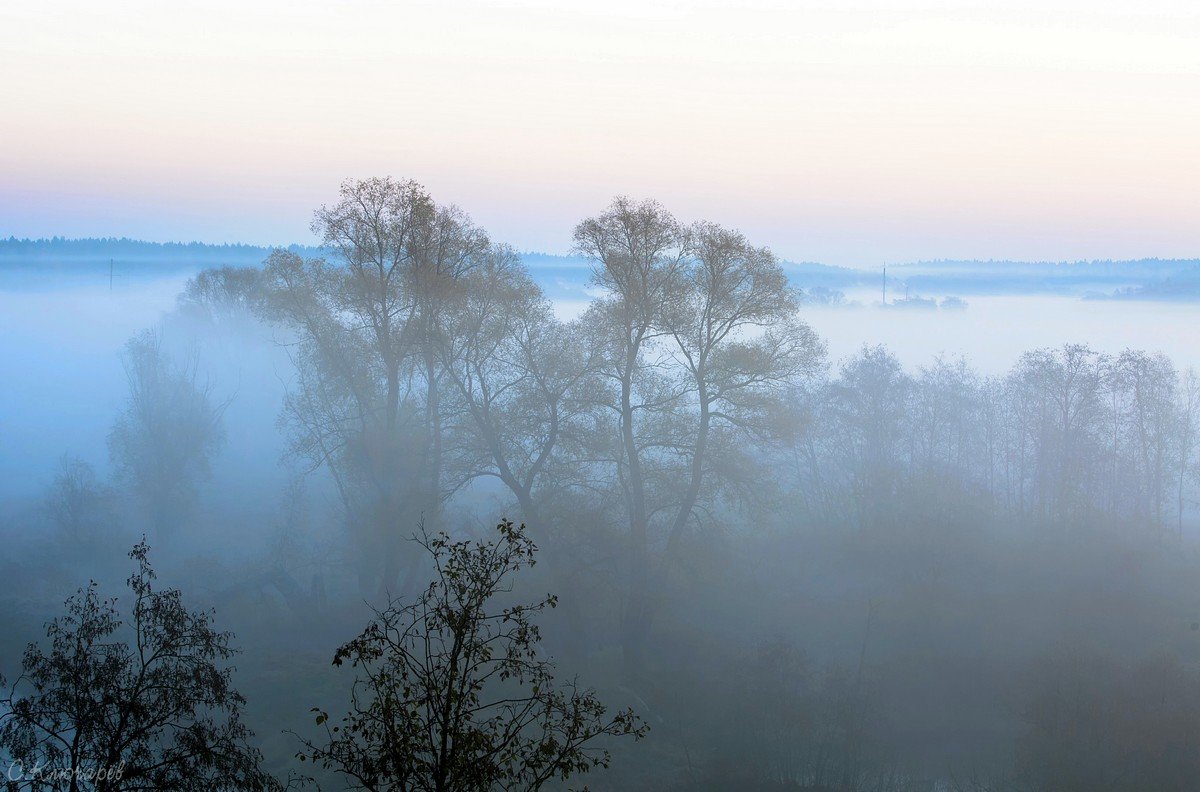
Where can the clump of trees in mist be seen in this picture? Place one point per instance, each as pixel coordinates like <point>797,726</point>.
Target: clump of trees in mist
<point>1068,438</point>
<point>806,577</point>
<point>427,359</point>
<point>133,700</point>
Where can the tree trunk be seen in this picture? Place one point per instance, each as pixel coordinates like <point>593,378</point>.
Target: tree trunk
<point>634,619</point>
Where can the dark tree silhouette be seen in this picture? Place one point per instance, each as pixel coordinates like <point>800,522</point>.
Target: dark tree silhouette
<point>454,696</point>
<point>114,705</point>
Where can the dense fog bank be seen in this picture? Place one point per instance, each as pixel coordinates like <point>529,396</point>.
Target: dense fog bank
<point>809,548</point>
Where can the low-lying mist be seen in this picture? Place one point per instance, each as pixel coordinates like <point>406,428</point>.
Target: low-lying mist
<point>859,547</point>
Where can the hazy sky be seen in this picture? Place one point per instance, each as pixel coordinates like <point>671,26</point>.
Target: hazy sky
<point>843,131</point>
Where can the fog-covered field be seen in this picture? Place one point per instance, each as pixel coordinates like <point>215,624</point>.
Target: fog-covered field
<point>995,330</point>
<point>621,395</point>
<point>62,337</point>
<point>794,539</point>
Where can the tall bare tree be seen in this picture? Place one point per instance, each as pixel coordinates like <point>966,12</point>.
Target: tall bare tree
<point>699,344</point>
<point>1187,427</point>
<point>1144,395</point>
<point>77,502</point>
<point>1059,398</point>
<point>163,441</point>
<point>368,403</point>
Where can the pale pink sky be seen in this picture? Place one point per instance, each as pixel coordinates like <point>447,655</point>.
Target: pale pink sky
<point>845,131</point>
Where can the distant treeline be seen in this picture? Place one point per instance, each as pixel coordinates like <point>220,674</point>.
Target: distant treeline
<point>1154,279</point>
<point>63,253</point>
<point>1017,277</point>
<point>1184,285</point>
<point>1132,279</point>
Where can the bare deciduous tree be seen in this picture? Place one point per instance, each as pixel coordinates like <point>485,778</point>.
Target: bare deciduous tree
<point>700,345</point>
<point>77,502</point>
<point>164,440</point>
<point>368,403</point>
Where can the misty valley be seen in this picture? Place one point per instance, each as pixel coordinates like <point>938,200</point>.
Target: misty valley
<point>408,509</point>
